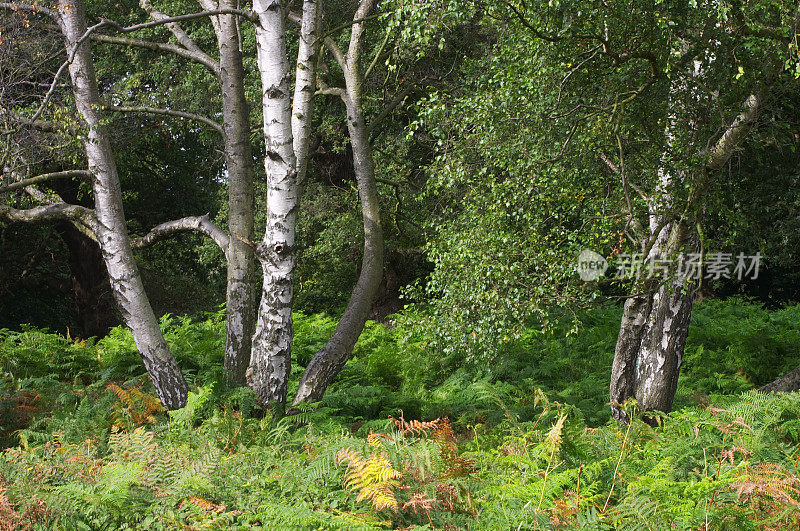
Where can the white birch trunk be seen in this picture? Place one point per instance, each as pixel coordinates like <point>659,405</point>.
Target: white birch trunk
<point>272,342</point>
<point>329,361</point>
<point>111,229</point>
<point>655,322</point>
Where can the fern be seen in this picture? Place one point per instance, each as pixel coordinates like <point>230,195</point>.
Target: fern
<point>183,419</point>
<point>373,477</point>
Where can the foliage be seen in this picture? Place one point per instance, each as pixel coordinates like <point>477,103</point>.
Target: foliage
<point>505,449</point>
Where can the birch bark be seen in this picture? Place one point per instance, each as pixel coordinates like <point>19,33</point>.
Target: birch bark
<point>655,321</point>
<point>241,274</point>
<point>110,229</point>
<point>285,163</point>
<point>329,361</point>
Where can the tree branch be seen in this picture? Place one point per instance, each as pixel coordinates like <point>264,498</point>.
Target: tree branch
<point>201,224</point>
<point>43,178</point>
<point>200,58</point>
<point>30,8</point>
<point>174,27</point>
<point>733,137</point>
<point>357,31</point>
<point>168,112</point>
<point>52,212</point>
<point>391,106</point>
<point>330,44</point>
<point>179,18</point>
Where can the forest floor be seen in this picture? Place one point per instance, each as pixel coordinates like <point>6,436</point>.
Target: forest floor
<point>406,438</point>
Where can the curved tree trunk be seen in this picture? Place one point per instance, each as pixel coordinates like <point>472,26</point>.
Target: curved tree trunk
<point>329,361</point>
<point>111,230</point>
<point>652,335</point>
<point>655,322</point>
<point>785,384</point>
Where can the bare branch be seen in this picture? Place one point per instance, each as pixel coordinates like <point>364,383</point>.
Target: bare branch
<point>391,106</point>
<point>356,33</point>
<point>41,125</point>
<point>249,15</point>
<point>332,47</point>
<point>325,90</point>
<point>200,58</point>
<point>174,27</point>
<point>377,54</point>
<point>330,44</point>
<point>50,91</point>
<point>43,178</point>
<point>52,212</point>
<point>30,9</point>
<point>168,112</point>
<point>201,224</point>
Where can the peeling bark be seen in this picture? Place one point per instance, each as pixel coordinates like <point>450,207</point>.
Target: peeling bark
<point>270,359</point>
<point>111,231</point>
<point>655,322</point>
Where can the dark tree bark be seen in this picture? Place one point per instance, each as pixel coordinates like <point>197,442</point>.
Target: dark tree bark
<point>241,290</point>
<point>329,361</point>
<point>94,304</point>
<point>786,384</point>
<point>241,264</point>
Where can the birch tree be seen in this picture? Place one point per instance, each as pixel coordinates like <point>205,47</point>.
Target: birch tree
<point>329,361</point>
<point>107,222</point>
<point>663,98</point>
<point>287,119</point>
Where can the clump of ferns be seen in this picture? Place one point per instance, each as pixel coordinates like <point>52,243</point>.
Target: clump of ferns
<point>134,407</point>
<point>414,469</point>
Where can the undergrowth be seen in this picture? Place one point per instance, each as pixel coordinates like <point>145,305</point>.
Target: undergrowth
<point>404,438</point>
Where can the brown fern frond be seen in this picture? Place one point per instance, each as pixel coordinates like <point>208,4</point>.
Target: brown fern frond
<point>769,480</point>
<point>9,517</point>
<point>373,438</point>
<point>204,504</point>
<point>445,438</point>
<point>134,404</point>
<point>420,502</point>
<point>413,427</point>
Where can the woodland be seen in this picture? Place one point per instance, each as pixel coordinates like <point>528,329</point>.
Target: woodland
<point>402,264</point>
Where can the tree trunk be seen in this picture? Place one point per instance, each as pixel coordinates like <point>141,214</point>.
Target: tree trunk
<point>111,230</point>
<point>329,361</point>
<point>94,303</point>
<point>272,343</point>
<point>655,322</point>
<point>241,291</point>
<point>626,354</point>
<point>661,349</point>
<point>786,384</point>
